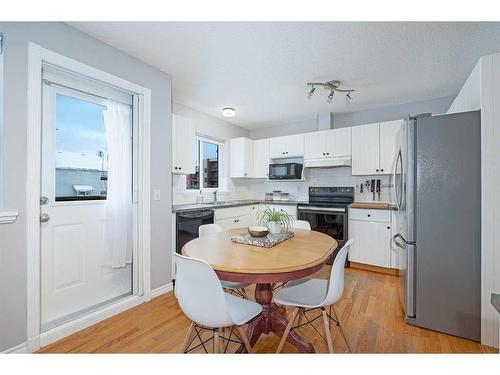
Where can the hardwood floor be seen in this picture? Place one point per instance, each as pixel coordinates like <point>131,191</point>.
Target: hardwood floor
<point>369,311</point>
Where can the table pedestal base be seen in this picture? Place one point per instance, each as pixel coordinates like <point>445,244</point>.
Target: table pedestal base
<point>273,319</point>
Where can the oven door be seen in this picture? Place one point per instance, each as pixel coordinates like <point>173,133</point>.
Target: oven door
<point>329,220</point>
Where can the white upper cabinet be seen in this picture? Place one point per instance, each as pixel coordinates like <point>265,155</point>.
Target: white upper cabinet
<point>374,147</point>
<point>287,147</point>
<point>365,149</point>
<point>327,143</point>
<point>183,145</point>
<point>388,143</point>
<point>338,142</point>
<point>315,145</point>
<point>241,161</point>
<point>260,158</point>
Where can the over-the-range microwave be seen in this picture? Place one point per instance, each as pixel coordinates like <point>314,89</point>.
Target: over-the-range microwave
<point>285,171</point>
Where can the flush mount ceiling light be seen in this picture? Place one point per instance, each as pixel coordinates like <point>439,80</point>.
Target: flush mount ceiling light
<point>228,112</point>
<point>333,86</point>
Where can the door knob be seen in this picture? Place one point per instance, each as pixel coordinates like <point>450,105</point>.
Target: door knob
<point>44,200</point>
<point>44,218</point>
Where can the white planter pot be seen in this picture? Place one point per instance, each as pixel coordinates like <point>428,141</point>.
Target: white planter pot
<point>274,227</point>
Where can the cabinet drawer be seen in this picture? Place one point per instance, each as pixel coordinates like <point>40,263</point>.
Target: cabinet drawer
<point>289,209</point>
<point>222,213</point>
<point>370,215</point>
<point>232,222</point>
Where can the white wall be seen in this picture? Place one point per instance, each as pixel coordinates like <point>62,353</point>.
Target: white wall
<point>288,128</point>
<point>212,127</point>
<point>469,97</point>
<point>480,91</point>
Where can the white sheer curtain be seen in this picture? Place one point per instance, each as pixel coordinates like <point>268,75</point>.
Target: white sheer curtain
<point>118,231</point>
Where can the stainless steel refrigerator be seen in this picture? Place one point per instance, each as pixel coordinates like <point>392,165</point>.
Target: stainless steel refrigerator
<point>437,188</point>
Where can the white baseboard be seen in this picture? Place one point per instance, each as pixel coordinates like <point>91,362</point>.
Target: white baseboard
<point>161,290</point>
<point>76,325</point>
<point>18,349</point>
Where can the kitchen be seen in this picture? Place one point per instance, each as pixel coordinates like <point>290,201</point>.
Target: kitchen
<point>331,206</point>
<point>367,162</point>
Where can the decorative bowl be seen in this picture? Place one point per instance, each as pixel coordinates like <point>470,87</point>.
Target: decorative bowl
<point>258,231</point>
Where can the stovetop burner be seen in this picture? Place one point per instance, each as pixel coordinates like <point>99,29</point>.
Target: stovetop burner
<point>330,196</point>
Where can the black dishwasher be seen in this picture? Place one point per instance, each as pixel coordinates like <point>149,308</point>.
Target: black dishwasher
<point>187,224</point>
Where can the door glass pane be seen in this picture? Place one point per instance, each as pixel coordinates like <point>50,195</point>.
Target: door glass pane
<point>210,165</point>
<point>81,150</point>
<point>193,180</point>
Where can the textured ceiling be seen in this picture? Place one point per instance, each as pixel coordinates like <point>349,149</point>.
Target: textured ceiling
<point>261,69</point>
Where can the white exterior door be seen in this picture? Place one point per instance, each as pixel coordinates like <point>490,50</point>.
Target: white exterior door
<point>77,271</point>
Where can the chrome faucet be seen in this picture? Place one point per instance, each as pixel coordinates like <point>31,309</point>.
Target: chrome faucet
<point>215,195</point>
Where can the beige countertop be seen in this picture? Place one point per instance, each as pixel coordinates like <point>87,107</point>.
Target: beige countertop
<point>373,205</point>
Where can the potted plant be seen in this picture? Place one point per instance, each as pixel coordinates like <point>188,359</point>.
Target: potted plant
<point>274,220</point>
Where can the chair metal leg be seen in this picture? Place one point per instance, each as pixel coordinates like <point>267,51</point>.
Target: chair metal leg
<point>244,293</point>
<point>288,329</point>
<point>188,336</point>
<point>216,341</point>
<point>327,330</point>
<point>243,337</point>
<point>341,329</point>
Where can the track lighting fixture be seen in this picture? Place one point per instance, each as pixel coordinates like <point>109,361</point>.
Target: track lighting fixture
<point>333,86</point>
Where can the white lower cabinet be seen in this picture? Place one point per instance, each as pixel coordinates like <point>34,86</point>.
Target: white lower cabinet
<point>289,209</point>
<point>236,217</point>
<point>233,222</point>
<point>371,232</point>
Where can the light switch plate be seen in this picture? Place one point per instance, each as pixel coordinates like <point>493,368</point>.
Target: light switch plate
<point>156,194</point>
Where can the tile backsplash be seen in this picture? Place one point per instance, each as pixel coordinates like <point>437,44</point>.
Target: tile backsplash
<point>340,176</point>
<point>256,188</point>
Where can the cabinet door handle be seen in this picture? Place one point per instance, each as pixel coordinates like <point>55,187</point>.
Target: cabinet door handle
<point>381,170</point>
<point>369,215</point>
<point>328,153</point>
<point>376,170</point>
<point>388,227</point>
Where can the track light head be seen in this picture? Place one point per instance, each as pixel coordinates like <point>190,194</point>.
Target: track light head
<point>348,97</point>
<point>330,96</point>
<point>311,92</point>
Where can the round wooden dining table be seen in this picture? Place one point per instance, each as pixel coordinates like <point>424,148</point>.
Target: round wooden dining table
<point>292,259</point>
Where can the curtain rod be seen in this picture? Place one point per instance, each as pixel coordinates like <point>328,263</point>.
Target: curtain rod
<point>50,83</point>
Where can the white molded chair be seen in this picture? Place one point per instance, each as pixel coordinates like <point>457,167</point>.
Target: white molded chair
<point>297,224</point>
<point>232,287</point>
<point>312,294</point>
<point>301,224</point>
<point>201,297</point>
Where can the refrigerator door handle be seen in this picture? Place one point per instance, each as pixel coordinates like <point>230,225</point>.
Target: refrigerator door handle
<point>398,244</point>
<point>399,159</point>
<point>402,239</point>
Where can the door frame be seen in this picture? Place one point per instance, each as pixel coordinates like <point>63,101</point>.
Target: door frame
<point>141,195</point>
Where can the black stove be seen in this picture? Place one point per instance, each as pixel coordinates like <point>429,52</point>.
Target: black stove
<point>330,197</point>
<point>327,212</point>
